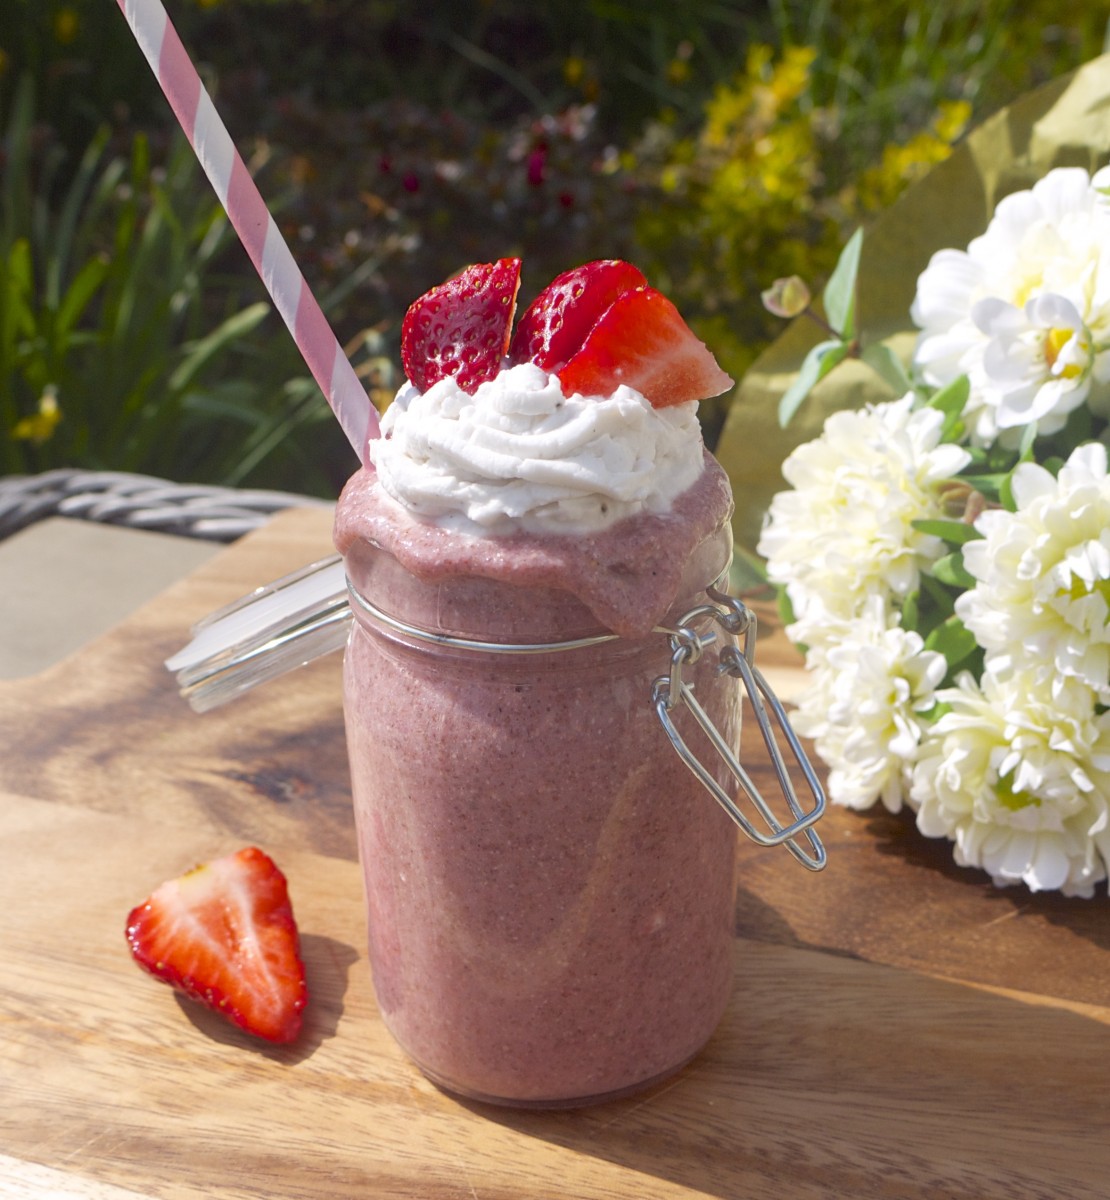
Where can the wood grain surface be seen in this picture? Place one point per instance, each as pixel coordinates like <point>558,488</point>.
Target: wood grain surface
<point>900,1029</point>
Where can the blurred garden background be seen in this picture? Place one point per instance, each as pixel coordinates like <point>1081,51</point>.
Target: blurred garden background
<point>718,144</point>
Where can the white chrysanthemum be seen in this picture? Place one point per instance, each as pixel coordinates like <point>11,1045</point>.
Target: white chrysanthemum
<point>1024,312</point>
<point>868,688</point>
<point>1040,361</point>
<point>845,531</point>
<point>1017,774</point>
<point>1043,593</point>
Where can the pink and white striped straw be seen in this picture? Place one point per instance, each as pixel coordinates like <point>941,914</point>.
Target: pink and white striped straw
<point>251,219</point>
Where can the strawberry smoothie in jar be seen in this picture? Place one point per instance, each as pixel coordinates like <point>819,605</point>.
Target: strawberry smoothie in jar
<point>550,886</point>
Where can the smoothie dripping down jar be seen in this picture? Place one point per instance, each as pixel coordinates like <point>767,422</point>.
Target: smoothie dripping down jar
<point>550,886</point>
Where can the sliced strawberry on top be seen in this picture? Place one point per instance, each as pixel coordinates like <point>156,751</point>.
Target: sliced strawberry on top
<point>642,341</point>
<point>224,934</point>
<point>461,327</point>
<point>557,322</point>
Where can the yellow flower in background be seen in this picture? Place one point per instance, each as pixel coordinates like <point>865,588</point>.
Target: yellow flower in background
<point>764,146</point>
<point>901,164</point>
<point>39,427</point>
<point>574,70</point>
<point>67,25</point>
<point>741,194</point>
<point>790,77</point>
<point>679,69</point>
<point>952,120</point>
<point>759,96</point>
<point>670,178</point>
<point>579,73</point>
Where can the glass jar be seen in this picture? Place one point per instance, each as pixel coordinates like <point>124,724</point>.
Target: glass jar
<point>550,888</point>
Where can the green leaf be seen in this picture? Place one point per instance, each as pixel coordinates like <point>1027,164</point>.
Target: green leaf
<point>748,572</point>
<point>20,266</point>
<point>68,224</point>
<point>911,612</point>
<point>887,365</point>
<point>990,485</point>
<point>278,431</point>
<point>17,323</point>
<point>235,327</point>
<point>818,363</point>
<point>80,292</point>
<point>934,714</point>
<point>950,570</point>
<point>1028,437</point>
<point>952,398</point>
<point>228,402</point>
<point>954,640</point>
<point>839,296</point>
<point>957,532</point>
<point>784,606</point>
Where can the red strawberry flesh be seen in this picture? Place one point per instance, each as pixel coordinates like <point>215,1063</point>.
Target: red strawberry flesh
<point>462,327</point>
<point>557,322</point>
<point>641,340</point>
<point>224,934</point>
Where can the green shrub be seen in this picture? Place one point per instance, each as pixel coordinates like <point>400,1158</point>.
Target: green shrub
<point>131,336</point>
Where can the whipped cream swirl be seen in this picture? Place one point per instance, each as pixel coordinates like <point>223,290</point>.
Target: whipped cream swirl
<point>518,455</point>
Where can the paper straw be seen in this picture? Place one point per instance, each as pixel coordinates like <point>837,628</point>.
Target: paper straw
<point>251,219</point>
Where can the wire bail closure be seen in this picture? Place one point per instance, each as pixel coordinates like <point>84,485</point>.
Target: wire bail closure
<point>308,614</point>
<point>669,691</point>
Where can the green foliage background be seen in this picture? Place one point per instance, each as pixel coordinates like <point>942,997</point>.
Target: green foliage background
<point>716,144</point>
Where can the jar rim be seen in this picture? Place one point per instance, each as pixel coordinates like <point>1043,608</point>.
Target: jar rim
<point>453,641</point>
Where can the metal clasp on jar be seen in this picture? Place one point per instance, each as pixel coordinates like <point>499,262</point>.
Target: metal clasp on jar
<point>669,691</point>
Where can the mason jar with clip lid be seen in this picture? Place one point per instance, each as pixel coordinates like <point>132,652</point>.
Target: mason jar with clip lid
<point>547,822</point>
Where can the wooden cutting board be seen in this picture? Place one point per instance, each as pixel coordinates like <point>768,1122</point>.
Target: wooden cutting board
<point>899,1028</point>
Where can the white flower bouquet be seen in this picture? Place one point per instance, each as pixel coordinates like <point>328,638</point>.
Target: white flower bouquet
<point>944,558</point>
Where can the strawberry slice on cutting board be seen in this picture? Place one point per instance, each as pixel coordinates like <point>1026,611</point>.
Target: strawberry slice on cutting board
<point>641,340</point>
<point>224,934</point>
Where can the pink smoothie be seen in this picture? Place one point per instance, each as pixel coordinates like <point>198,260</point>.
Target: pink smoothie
<point>550,890</point>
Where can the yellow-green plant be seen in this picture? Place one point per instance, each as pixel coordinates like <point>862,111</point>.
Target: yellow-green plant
<point>747,198</point>
<point>904,162</point>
